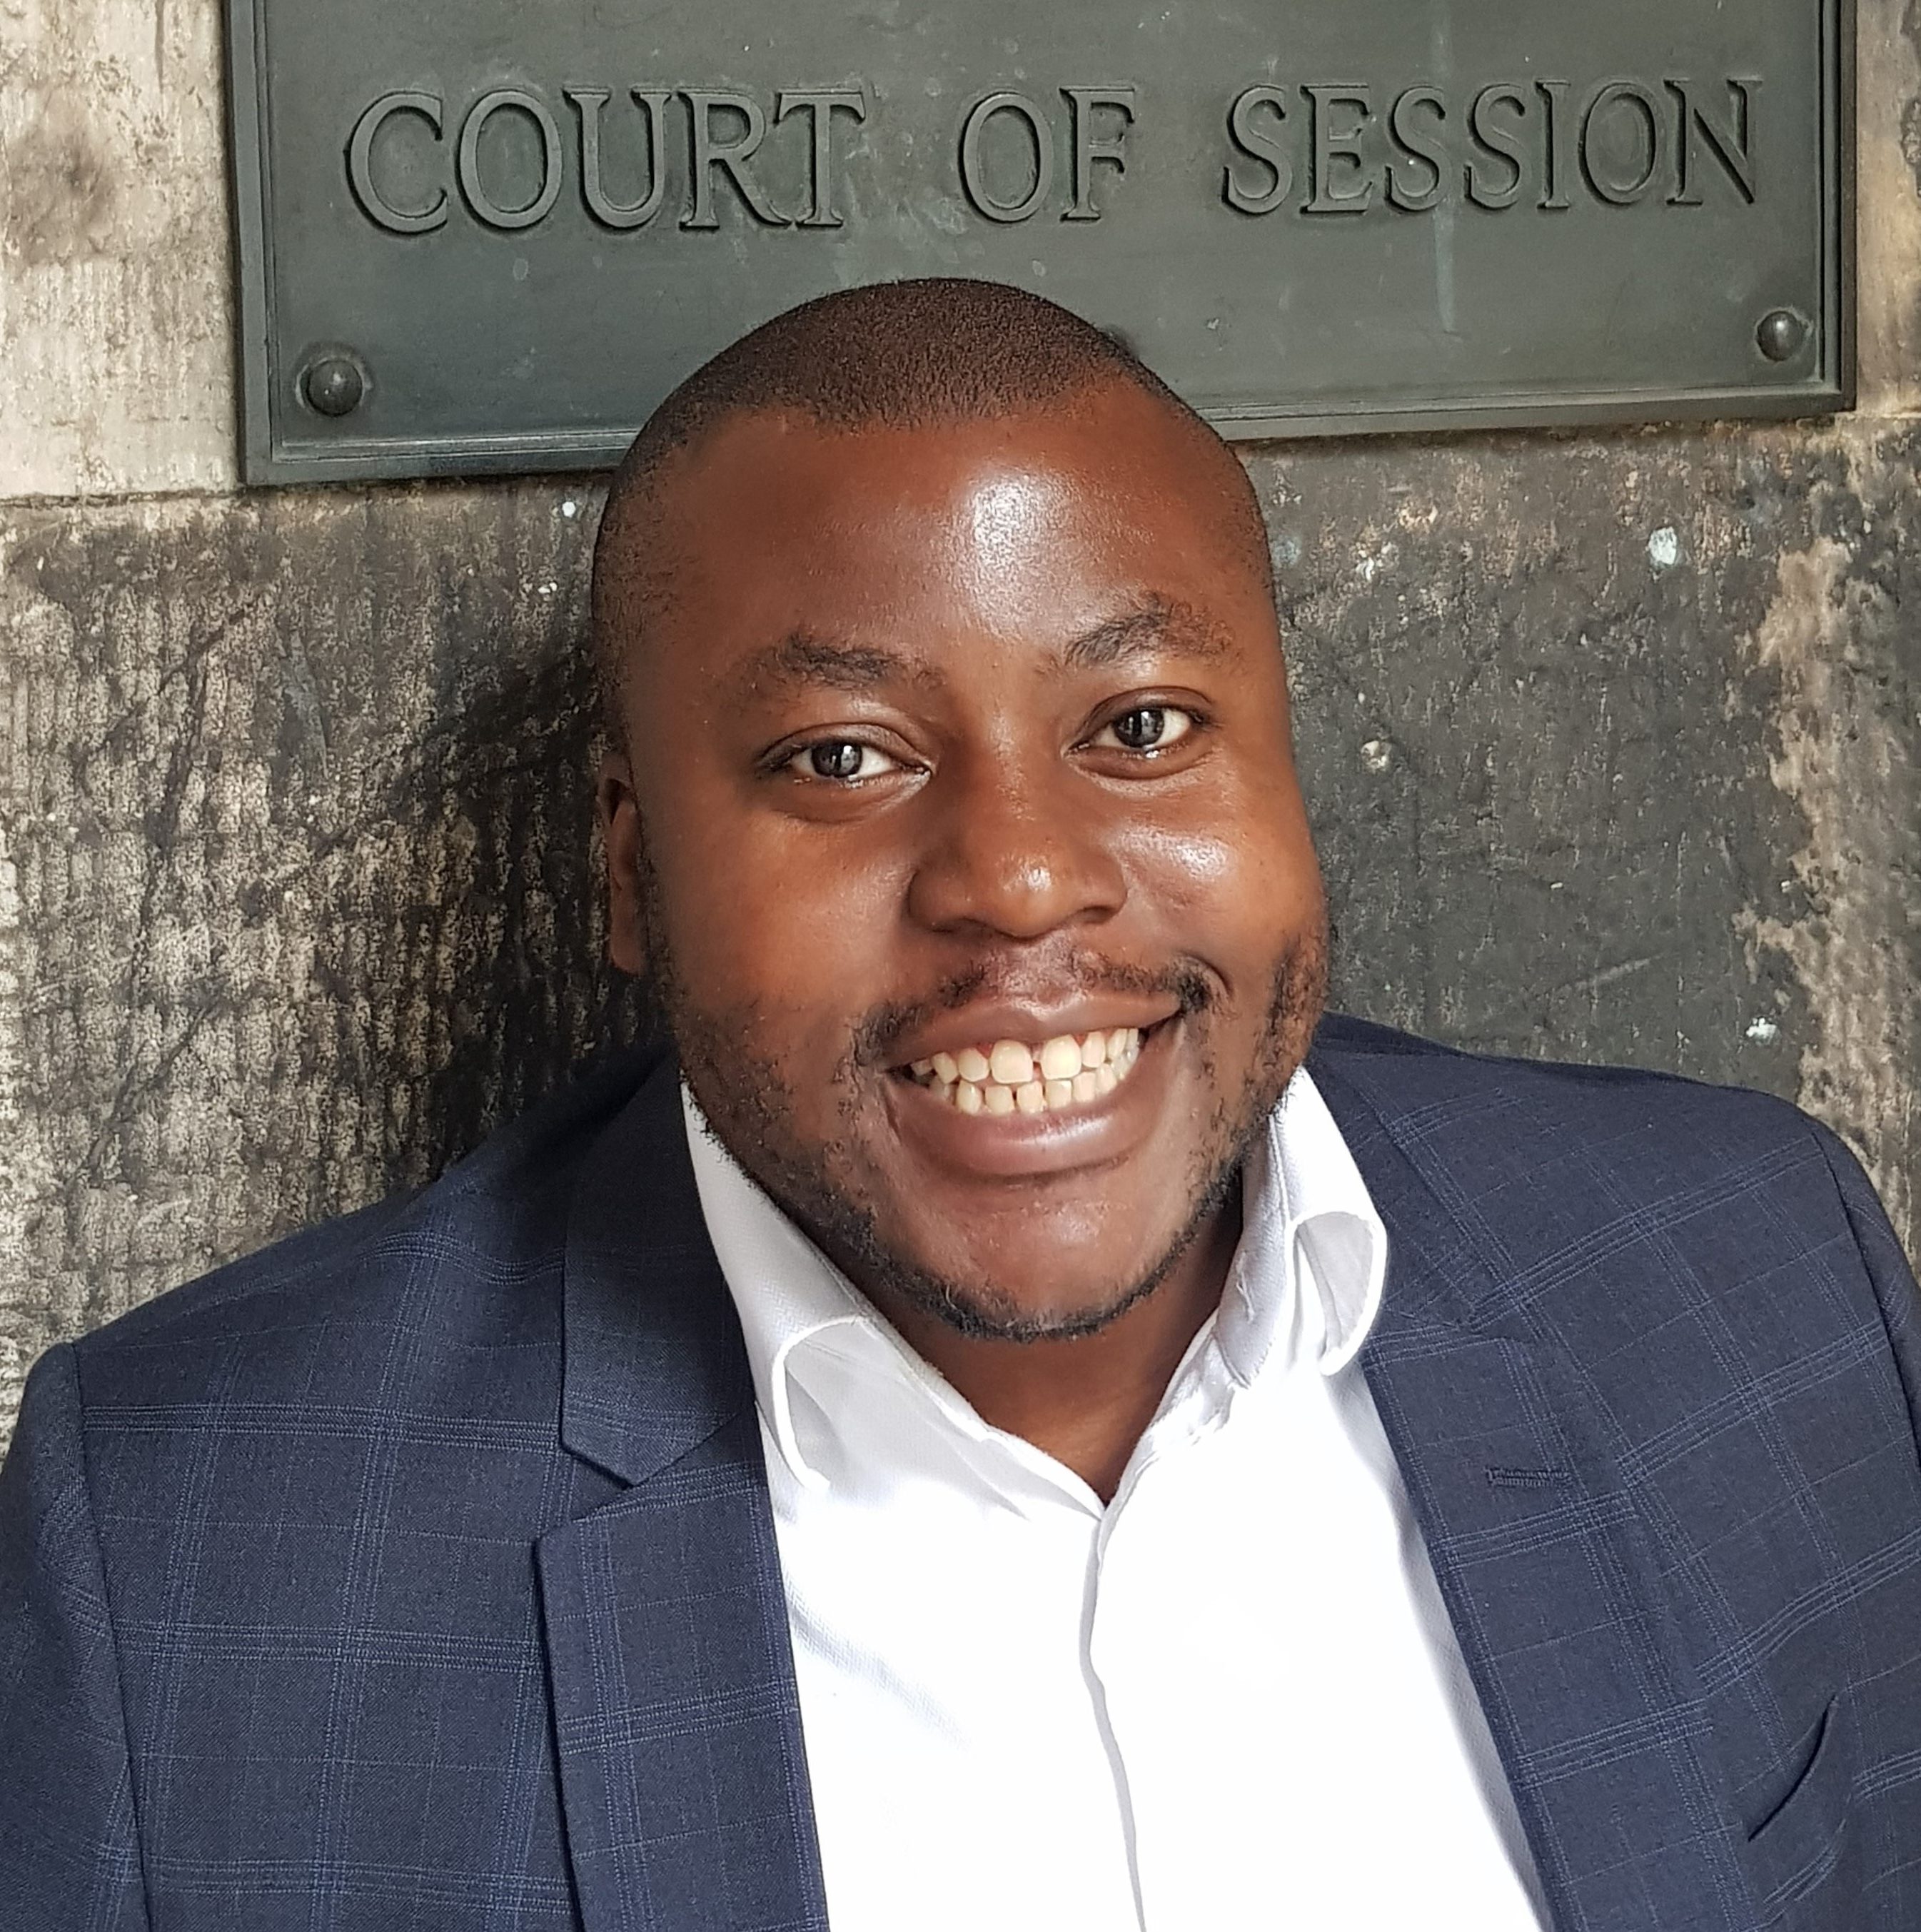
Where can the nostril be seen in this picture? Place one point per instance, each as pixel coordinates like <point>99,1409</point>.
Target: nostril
<point>1022,896</point>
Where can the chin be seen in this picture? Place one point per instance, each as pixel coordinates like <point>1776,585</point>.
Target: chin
<point>1072,1293</point>
<point>999,1317</point>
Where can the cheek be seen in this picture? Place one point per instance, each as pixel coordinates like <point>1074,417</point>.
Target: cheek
<point>787,924</point>
<point>1239,899</point>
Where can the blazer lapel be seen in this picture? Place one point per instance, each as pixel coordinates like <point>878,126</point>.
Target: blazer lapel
<point>683,1778</point>
<point>1552,1595</point>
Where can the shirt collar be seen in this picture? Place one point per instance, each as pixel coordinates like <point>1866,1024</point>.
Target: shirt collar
<point>1305,1283</point>
<point>786,1292</point>
<point>1313,1255</point>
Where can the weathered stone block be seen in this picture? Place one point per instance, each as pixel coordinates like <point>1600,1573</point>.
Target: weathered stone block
<point>116,259</point>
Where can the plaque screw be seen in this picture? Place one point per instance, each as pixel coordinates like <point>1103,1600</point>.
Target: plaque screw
<point>1781,335</point>
<point>334,385</point>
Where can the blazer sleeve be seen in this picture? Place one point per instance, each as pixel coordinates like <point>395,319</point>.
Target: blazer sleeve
<point>69,1851</point>
<point>1887,1266</point>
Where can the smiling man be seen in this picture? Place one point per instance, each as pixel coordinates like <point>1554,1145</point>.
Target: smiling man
<point>1017,1421</point>
<point>1018,933</point>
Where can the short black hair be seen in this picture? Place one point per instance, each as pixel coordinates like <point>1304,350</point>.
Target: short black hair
<point>900,354</point>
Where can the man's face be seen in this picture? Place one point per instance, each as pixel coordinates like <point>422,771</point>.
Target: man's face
<point>951,744</point>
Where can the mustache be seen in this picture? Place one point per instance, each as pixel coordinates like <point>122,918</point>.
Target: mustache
<point>880,1031</point>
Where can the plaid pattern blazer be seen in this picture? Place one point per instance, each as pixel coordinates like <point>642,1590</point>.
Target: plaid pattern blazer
<point>419,1573</point>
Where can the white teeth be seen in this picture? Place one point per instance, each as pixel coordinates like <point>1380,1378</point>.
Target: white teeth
<point>1060,1059</point>
<point>1010,1076</point>
<point>1010,1063</point>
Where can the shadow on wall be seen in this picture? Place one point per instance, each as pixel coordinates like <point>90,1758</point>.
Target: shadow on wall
<point>521,992</point>
<point>305,892</point>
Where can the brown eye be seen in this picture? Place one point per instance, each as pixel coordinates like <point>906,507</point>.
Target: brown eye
<point>841,761</point>
<point>1148,727</point>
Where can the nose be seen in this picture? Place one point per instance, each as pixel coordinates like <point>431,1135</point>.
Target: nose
<point>1015,855</point>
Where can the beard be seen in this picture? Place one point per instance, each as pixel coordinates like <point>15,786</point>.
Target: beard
<point>827,1188</point>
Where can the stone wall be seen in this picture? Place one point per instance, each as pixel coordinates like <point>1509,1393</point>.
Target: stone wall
<point>1614,741</point>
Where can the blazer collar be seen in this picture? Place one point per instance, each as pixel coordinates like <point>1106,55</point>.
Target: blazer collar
<point>654,1363</point>
<point>677,1726</point>
<point>1556,1599</point>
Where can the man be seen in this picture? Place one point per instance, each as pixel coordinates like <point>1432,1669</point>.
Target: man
<point>1011,1425</point>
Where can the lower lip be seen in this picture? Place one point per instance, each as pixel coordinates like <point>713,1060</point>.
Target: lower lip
<point>1008,1146</point>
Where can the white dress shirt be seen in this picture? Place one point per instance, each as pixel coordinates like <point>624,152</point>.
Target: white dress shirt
<point>1229,1698</point>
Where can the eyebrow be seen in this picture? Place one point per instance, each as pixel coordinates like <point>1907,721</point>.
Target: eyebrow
<point>1155,627</point>
<point>804,658</point>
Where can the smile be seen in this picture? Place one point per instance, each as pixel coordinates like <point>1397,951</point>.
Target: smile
<point>1010,1076</point>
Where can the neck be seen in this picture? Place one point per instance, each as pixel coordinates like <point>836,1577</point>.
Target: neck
<point>1085,1402</point>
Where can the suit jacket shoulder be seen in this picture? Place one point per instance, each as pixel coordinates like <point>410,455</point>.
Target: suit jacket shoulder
<point>311,1572</point>
<point>1648,1357</point>
<point>408,1293</point>
<point>1540,1166</point>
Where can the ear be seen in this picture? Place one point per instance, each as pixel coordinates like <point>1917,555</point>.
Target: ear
<point>621,834</point>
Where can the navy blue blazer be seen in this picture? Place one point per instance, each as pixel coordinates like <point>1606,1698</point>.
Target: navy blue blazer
<point>419,1573</point>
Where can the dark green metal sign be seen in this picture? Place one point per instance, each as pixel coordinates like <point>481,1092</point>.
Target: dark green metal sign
<point>479,235</point>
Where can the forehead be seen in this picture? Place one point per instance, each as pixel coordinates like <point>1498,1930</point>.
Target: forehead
<point>1054,517</point>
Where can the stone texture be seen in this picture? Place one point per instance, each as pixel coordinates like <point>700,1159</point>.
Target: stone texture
<point>115,280</point>
<point>1888,228</point>
<point>296,819</point>
<point>1614,751</point>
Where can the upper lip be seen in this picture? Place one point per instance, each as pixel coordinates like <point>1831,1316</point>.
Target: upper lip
<point>983,1025</point>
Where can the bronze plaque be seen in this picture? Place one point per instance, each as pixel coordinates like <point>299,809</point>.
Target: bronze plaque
<point>483,236</point>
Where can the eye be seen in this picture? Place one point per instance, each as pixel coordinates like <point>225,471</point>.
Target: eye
<point>1148,728</point>
<point>841,761</point>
